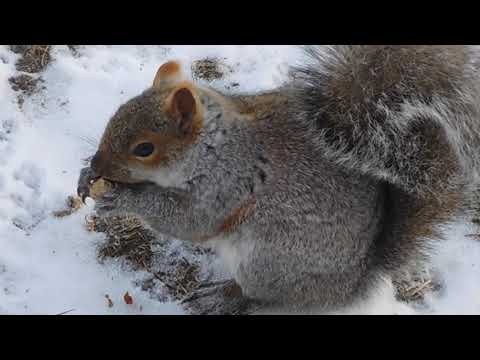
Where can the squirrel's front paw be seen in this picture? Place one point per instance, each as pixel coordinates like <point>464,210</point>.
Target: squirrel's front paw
<point>116,201</point>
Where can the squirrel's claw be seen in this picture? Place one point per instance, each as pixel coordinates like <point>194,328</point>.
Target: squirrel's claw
<point>219,298</point>
<point>109,196</point>
<point>83,197</point>
<point>108,204</point>
<point>104,207</point>
<point>83,193</point>
<point>87,177</point>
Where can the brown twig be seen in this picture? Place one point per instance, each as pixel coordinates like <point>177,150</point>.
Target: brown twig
<point>475,236</point>
<point>45,52</point>
<point>66,312</point>
<point>418,289</point>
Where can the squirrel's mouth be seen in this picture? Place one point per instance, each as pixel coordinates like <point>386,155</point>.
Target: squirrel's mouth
<point>94,179</point>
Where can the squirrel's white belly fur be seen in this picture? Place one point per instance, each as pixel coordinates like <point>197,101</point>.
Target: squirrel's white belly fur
<point>233,249</point>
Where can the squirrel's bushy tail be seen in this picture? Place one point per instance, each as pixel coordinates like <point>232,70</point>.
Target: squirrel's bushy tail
<point>408,116</point>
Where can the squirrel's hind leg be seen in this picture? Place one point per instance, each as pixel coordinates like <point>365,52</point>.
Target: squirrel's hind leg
<point>219,298</point>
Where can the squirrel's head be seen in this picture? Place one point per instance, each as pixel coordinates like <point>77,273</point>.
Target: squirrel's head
<point>148,134</point>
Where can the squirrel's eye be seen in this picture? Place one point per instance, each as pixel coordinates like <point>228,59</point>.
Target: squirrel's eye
<point>143,149</point>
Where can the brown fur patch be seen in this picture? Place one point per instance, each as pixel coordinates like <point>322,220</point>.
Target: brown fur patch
<point>408,222</point>
<point>260,107</point>
<point>421,70</point>
<point>168,72</point>
<point>237,217</point>
<point>102,162</point>
<point>187,115</point>
<point>163,145</point>
<point>428,215</point>
<point>231,222</point>
<point>167,147</point>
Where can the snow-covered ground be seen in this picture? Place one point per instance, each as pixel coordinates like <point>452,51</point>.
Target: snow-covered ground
<point>47,264</point>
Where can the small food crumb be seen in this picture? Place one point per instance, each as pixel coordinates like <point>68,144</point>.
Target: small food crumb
<point>90,223</point>
<point>128,299</point>
<point>73,204</point>
<point>109,301</point>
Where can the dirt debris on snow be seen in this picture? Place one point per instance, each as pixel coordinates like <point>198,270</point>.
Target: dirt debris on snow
<point>125,236</point>
<point>178,270</point>
<point>25,83</point>
<point>73,203</point>
<point>414,290</point>
<point>33,60</point>
<point>74,49</point>
<point>210,69</point>
<point>476,215</point>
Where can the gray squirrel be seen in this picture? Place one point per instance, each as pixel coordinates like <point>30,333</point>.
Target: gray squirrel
<point>312,192</point>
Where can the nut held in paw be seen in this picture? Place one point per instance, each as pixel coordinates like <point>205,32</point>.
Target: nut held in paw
<point>99,187</point>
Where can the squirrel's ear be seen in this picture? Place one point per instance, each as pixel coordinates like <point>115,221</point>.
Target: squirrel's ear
<point>168,73</point>
<point>183,107</point>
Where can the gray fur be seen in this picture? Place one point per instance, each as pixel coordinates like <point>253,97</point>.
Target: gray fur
<point>370,101</point>
<point>352,167</point>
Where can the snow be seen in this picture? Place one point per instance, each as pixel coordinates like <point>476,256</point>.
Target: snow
<point>48,265</point>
